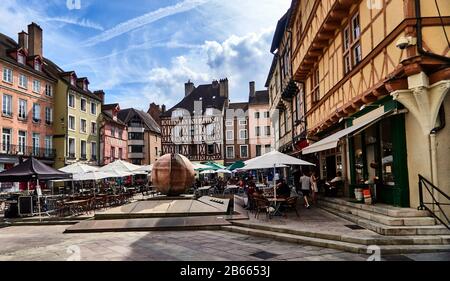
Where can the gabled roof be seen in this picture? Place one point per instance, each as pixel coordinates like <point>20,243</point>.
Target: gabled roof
<point>279,31</point>
<point>272,70</point>
<point>8,45</point>
<point>110,106</point>
<point>126,115</point>
<point>208,94</point>
<point>260,98</point>
<point>108,117</point>
<point>58,72</point>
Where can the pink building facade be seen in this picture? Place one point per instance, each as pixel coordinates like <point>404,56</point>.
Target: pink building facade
<point>260,128</point>
<point>113,136</point>
<point>26,96</point>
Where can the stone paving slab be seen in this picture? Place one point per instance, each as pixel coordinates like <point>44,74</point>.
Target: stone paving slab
<point>42,243</point>
<point>148,224</point>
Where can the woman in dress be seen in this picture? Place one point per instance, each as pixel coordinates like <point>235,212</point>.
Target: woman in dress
<point>314,188</point>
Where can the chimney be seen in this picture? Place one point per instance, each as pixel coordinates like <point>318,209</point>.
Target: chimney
<point>101,94</point>
<point>252,89</point>
<point>188,88</point>
<point>224,88</point>
<point>23,40</point>
<point>163,108</point>
<point>155,112</point>
<point>35,40</point>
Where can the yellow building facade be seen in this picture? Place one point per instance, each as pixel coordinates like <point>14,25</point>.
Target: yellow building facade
<point>77,119</point>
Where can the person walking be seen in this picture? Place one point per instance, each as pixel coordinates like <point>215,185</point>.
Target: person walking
<point>305,184</point>
<point>314,187</point>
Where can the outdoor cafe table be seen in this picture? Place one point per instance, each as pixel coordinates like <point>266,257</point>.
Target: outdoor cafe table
<point>77,205</point>
<point>232,188</point>
<point>204,190</point>
<point>276,204</point>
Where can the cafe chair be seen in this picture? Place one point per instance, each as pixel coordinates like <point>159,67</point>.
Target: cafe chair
<point>291,204</point>
<point>262,204</point>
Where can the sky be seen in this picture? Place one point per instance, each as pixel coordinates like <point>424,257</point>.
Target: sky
<point>143,51</point>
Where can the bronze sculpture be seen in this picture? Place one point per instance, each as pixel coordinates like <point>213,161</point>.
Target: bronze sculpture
<point>173,174</point>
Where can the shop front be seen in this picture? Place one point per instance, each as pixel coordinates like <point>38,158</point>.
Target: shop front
<point>370,153</point>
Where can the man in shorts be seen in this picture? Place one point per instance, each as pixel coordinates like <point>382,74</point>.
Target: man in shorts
<point>305,184</point>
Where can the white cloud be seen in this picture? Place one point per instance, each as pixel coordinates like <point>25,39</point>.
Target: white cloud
<point>148,18</point>
<point>240,59</point>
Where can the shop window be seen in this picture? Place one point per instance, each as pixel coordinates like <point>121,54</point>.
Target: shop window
<point>386,153</point>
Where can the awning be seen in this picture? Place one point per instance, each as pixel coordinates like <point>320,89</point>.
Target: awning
<point>332,141</point>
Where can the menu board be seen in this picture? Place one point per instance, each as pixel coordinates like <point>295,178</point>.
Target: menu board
<point>25,206</point>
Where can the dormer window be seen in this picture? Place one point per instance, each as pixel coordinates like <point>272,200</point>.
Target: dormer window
<point>20,58</point>
<point>73,80</point>
<point>85,86</point>
<point>37,65</point>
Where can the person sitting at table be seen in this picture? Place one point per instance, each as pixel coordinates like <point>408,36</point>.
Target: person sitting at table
<point>331,187</point>
<point>283,190</point>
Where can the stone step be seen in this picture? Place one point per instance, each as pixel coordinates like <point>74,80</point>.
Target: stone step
<point>286,237</point>
<point>356,239</point>
<point>379,218</point>
<point>382,209</point>
<point>337,245</point>
<point>390,230</point>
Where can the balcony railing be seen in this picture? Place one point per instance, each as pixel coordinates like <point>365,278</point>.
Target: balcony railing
<point>27,151</point>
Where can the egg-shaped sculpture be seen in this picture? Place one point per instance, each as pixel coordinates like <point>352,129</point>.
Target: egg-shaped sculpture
<point>173,174</point>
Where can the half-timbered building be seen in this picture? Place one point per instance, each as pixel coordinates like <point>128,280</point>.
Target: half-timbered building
<point>195,126</point>
<point>376,77</point>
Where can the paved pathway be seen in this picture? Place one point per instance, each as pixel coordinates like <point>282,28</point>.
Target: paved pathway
<point>29,243</point>
<point>48,243</point>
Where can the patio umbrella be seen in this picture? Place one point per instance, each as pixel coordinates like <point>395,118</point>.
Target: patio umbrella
<point>236,165</point>
<point>146,169</point>
<point>78,168</point>
<point>208,172</point>
<point>200,167</point>
<point>273,160</point>
<point>121,166</point>
<point>215,166</point>
<point>223,171</point>
<point>32,169</point>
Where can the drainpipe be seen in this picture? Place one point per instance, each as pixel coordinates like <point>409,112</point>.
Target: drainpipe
<point>419,35</point>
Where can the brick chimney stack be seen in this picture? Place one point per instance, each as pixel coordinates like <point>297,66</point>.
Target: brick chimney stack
<point>189,87</point>
<point>155,111</point>
<point>224,88</point>
<point>35,40</point>
<point>101,94</point>
<point>23,40</point>
<point>252,89</point>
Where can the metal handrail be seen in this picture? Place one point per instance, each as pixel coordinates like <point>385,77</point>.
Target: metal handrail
<point>423,182</point>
